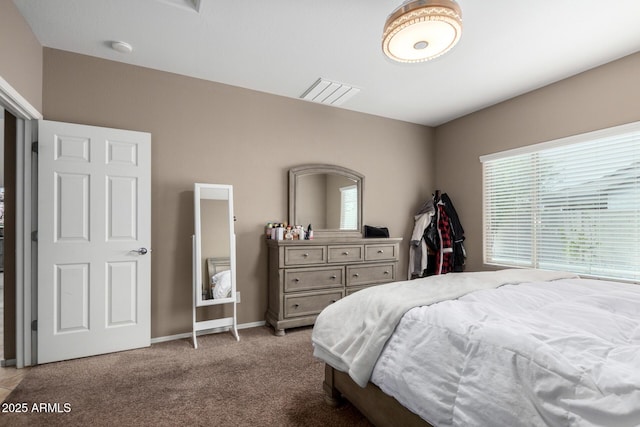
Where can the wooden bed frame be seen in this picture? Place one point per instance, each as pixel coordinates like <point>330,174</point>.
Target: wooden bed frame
<point>380,408</point>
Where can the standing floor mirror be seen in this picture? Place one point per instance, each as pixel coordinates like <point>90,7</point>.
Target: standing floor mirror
<point>214,256</point>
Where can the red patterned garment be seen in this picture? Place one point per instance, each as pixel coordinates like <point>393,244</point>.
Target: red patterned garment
<point>444,258</point>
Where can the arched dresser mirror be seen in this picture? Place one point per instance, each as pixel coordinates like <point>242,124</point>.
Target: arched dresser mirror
<point>328,197</point>
<point>305,276</point>
<point>214,255</point>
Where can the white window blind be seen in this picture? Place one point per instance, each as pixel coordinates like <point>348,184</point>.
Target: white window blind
<point>349,208</point>
<point>572,205</point>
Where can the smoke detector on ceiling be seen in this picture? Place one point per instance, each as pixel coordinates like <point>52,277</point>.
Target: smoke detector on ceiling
<point>121,47</point>
<point>193,5</point>
<point>331,93</point>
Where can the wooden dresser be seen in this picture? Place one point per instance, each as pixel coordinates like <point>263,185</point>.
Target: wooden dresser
<point>305,276</point>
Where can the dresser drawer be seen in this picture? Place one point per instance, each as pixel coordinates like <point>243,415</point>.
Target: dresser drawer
<point>307,276</point>
<point>305,255</point>
<point>370,274</point>
<point>380,252</point>
<point>308,304</point>
<point>346,253</point>
<point>354,289</point>
<point>300,279</point>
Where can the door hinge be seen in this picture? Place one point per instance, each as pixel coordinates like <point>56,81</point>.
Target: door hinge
<point>34,146</point>
<point>34,236</point>
<point>34,325</point>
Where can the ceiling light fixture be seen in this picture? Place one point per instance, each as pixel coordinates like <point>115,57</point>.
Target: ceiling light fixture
<point>420,30</point>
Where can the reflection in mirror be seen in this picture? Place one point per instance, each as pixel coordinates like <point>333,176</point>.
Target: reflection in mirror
<point>215,247</point>
<point>328,197</point>
<point>327,201</point>
<point>214,243</point>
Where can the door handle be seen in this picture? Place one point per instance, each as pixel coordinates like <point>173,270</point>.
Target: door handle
<point>141,251</point>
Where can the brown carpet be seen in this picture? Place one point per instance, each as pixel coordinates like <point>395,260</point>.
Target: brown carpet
<point>262,380</point>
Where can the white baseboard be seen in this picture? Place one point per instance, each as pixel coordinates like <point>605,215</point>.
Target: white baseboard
<point>205,332</point>
<point>7,362</point>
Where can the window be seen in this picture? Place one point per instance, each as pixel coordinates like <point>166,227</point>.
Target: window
<point>349,208</point>
<point>571,204</point>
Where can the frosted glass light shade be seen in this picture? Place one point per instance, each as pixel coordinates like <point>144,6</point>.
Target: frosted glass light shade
<point>421,30</point>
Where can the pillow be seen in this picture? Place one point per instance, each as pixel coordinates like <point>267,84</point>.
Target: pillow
<point>221,283</point>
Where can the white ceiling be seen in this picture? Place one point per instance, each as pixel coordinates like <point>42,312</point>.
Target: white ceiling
<point>508,47</point>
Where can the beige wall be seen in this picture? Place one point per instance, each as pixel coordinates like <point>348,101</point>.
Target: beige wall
<point>214,133</point>
<point>20,55</point>
<point>602,97</point>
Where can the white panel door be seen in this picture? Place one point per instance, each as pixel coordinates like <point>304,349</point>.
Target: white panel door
<point>94,236</point>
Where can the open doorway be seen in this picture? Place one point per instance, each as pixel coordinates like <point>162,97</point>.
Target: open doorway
<point>1,233</point>
<point>7,236</point>
<point>19,216</point>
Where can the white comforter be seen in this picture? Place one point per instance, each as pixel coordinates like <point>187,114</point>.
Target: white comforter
<point>350,334</point>
<point>564,353</point>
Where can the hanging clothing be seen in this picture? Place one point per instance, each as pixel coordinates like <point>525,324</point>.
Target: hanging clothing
<point>444,237</point>
<point>457,234</point>
<point>418,251</point>
<point>444,258</point>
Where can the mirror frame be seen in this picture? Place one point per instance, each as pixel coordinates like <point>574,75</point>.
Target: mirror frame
<point>212,192</point>
<point>299,171</point>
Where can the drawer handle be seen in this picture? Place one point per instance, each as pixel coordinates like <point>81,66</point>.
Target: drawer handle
<point>356,275</point>
<point>380,251</point>
<point>296,279</point>
<point>345,253</point>
<point>333,300</point>
<point>386,272</point>
<point>333,277</point>
<point>305,255</point>
<point>296,305</point>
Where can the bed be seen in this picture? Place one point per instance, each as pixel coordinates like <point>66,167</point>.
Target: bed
<point>508,348</point>
<point>219,269</point>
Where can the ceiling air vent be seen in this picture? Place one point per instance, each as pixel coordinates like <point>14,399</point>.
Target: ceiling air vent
<point>330,93</point>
